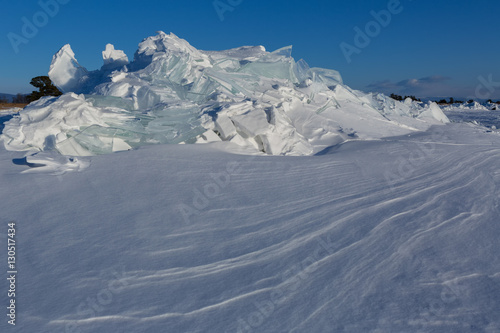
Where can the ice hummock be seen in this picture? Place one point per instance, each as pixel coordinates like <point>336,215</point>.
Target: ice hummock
<point>173,93</point>
<point>65,71</point>
<point>113,58</point>
<point>472,106</point>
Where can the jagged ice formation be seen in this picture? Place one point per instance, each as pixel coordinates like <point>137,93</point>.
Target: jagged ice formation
<point>173,93</point>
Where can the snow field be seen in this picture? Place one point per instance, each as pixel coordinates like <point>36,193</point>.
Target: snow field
<point>287,244</point>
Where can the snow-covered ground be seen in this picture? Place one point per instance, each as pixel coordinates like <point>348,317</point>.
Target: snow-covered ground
<point>396,235</point>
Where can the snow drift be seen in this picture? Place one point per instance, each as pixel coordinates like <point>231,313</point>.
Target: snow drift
<point>173,93</point>
<point>397,235</point>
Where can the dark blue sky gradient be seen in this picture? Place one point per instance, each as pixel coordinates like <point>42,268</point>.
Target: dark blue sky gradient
<point>430,48</point>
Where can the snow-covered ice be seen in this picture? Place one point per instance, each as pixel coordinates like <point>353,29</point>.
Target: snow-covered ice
<point>489,119</point>
<point>485,114</point>
<point>472,106</point>
<point>7,114</point>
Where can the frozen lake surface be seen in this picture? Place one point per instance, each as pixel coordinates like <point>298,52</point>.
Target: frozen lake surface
<point>485,118</point>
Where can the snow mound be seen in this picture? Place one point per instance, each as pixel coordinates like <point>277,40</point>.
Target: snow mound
<point>173,93</point>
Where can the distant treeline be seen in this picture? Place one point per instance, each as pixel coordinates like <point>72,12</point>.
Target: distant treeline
<point>442,101</point>
<point>18,99</point>
<point>45,88</point>
<point>401,98</point>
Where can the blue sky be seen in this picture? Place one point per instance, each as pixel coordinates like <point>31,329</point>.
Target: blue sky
<point>419,47</point>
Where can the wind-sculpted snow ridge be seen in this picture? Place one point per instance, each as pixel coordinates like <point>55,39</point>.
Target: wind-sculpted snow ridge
<point>173,93</point>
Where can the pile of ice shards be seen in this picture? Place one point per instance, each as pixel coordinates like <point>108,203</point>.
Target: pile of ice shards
<point>173,93</point>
